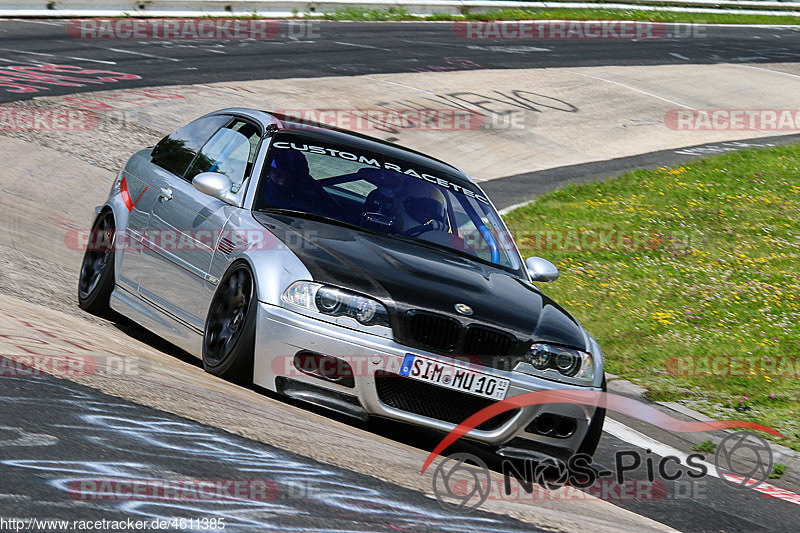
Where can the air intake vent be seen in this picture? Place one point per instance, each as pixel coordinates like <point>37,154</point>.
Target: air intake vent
<point>483,341</point>
<point>433,331</point>
<point>432,401</point>
<point>225,246</point>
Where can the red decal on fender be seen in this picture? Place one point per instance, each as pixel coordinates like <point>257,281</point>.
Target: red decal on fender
<point>126,196</point>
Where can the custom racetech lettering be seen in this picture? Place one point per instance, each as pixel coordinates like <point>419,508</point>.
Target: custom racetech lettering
<point>372,161</point>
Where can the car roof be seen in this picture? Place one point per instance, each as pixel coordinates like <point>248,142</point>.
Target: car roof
<point>330,134</point>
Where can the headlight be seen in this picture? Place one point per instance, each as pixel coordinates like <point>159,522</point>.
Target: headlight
<point>555,361</point>
<point>336,302</point>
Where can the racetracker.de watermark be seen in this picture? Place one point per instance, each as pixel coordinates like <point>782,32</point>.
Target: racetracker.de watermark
<point>43,119</point>
<point>347,366</point>
<point>537,240</point>
<point>529,240</point>
<point>639,490</point>
<point>574,30</point>
<point>32,365</point>
<point>183,490</point>
<point>403,119</point>
<point>733,366</point>
<point>733,119</point>
<point>191,29</point>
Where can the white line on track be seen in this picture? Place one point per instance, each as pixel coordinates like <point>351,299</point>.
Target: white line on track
<point>769,70</point>
<point>363,46</point>
<point>632,89</point>
<point>507,210</point>
<point>141,54</point>
<point>509,49</point>
<point>38,22</point>
<point>768,489</point>
<point>26,52</point>
<point>18,61</point>
<point>631,436</point>
<point>645,93</point>
<point>93,60</point>
<point>434,43</point>
<point>673,54</point>
<point>402,85</point>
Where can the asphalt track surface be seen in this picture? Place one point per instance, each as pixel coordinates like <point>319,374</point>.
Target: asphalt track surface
<point>316,49</point>
<point>55,435</point>
<point>46,407</point>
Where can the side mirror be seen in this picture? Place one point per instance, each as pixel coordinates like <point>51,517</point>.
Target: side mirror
<point>541,269</point>
<point>216,185</point>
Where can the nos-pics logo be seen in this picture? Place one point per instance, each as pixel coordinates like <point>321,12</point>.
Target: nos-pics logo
<point>462,481</point>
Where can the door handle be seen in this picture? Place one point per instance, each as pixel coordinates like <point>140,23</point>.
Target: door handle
<point>166,194</point>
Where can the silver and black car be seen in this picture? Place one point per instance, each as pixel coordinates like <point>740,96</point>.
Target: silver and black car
<point>344,271</point>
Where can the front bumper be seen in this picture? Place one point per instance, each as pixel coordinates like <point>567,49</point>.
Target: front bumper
<point>282,333</point>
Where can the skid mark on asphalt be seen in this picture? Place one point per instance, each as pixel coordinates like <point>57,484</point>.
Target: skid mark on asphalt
<point>20,437</point>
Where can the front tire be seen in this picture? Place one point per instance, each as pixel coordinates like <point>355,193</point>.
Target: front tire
<point>96,280</point>
<point>230,329</point>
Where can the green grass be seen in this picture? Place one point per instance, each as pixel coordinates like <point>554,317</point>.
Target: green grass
<point>400,13</point>
<point>362,13</point>
<point>778,471</point>
<point>706,447</point>
<point>713,273</point>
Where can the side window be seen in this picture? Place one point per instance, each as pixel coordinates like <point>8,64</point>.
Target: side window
<point>230,151</point>
<point>466,230</point>
<point>175,151</point>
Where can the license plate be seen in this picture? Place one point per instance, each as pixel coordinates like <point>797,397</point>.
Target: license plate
<point>454,377</point>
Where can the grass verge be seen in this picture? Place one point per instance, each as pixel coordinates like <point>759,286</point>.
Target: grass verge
<point>399,13</point>
<point>697,295</point>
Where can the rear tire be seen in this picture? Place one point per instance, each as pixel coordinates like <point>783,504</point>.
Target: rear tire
<point>96,280</point>
<point>230,329</point>
<point>595,431</point>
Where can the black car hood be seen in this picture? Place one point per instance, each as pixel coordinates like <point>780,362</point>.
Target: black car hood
<point>408,276</point>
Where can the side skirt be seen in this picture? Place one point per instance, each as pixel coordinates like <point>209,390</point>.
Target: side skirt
<point>158,321</point>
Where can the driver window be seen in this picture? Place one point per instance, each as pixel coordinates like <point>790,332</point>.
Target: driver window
<point>230,151</point>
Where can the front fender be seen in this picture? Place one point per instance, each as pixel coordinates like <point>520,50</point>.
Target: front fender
<point>273,264</point>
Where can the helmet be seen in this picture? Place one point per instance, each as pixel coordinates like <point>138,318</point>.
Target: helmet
<point>291,162</point>
<point>288,179</point>
<point>422,203</point>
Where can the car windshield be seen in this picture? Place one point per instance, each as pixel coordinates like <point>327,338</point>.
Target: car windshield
<point>390,197</point>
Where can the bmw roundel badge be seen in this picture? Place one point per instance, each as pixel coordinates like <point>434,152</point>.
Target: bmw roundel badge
<point>464,309</point>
